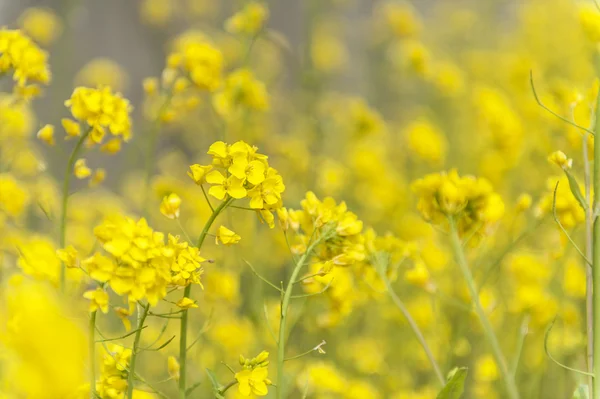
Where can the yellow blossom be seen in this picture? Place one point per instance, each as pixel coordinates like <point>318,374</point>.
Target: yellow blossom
<point>98,300</point>
<point>81,169</point>
<point>97,177</point>
<point>169,206</point>
<point>43,25</point>
<point>560,159</point>
<point>68,256</point>
<point>173,367</point>
<point>46,134</point>
<point>227,237</point>
<point>71,127</point>
<point>101,110</point>
<point>186,303</point>
<point>249,20</point>
<point>198,172</point>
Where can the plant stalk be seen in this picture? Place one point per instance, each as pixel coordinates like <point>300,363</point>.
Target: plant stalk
<point>92,350</point>
<point>413,325</point>
<point>186,293</point>
<point>142,314</point>
<point>285,303</point>
<point>596,258</point>
<point>65,202</point>
<point>509,380</point>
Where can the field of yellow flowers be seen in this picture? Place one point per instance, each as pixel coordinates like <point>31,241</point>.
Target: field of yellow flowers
<point>329,199</point>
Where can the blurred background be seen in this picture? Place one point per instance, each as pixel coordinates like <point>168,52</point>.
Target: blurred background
<point>365,96</point>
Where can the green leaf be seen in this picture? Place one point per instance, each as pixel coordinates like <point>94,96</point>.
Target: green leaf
<point>189,391</point>
<point>456,384</point>
<point>575,190</point>
<point>215,383</point>
<point>582,392</point>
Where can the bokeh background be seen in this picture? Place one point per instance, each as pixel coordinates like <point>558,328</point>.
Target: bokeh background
<point>364,98</point>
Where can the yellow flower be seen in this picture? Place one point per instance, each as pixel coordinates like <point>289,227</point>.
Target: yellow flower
<point>486,369</point>
<point>253,171</point>
<point>123,314</point>
<point>227,237</point>
<point>524,202</point>
<point>560,159</point>
<point>81,169</point>
<point>241,90</point>
<point>71,127</point>
<point>14,198</point>
<point>101,109</point>
<point>98,177</point>
<point>112,146</point>
<point>21,55</point>
<point>198,173</point>
<point>173,367</point>
<point>186,303</point>
<point>253,382</point>
<point>471,200</point>
<point>195,57</point>
<point>46,134</point>
<point>268,193</point>
<point>43,25</point>
<point>248,21</point>
<point>222,186</point>
<point>98,300</point>
<point>68,256</point>
<point>427,142</point>
<point>169,206</point>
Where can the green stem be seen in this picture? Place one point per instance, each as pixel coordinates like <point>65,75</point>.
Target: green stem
<point>92,350</point>
<point>596,258</point>
<point>226,387</point>
<point>413,325</point>
<point>186,293</point>
<point>142,313</point>
<point>285,302</point>
<point>65,202</point>
<point>511,387</point>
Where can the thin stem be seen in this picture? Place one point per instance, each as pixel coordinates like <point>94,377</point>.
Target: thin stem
<point>562,118</point>
<point>596,260</point>
<point>186,293</point>
<point>413,325</point>
<point>488,330</point>
<point>142,313</point>
<point>285,302</point>
<point>92,349</point>
<point>523,331</point>
<point>226,387</point>
<point>185,234</point>
<point>121,337</point>
<point>588,269</point>
<point>65,202</point>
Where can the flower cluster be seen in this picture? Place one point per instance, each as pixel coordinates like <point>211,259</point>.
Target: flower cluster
<point>196,59</point>
<point>248,21</point>
<point>471,201</point>
<point>254,378</point>
<point>241,90</point>
<point>100,109</point>
<point>239,171</point>
<point>113,373</point>
<point>19,54</point>
<point>142,265</point>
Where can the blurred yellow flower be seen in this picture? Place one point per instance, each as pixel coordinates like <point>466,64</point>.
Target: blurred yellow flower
<point>169,206</point>
<point>226,236</point>
<point>42,24</point>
